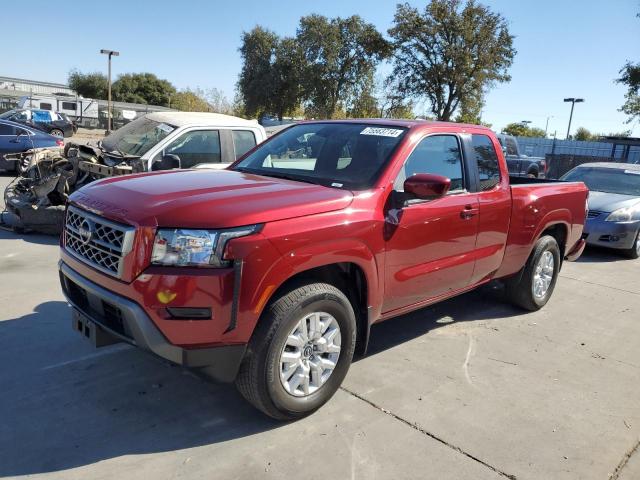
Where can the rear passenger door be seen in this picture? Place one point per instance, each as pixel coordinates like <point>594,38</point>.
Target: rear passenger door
<point>243,141</point>
<point>494,202</point>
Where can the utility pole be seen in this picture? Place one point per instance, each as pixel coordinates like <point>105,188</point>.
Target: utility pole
<point>110,53</point>
<point>573,104</point>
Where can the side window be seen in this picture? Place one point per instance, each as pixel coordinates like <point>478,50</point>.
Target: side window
<point>69,106</point>
<point>511,146</point>
<point>243,141</point>
<point>487,162</point>
<point>40,116</point>
<point>193,148</point>
<point>46,106</point>
<point>437,154</point>
<point>7,129</point>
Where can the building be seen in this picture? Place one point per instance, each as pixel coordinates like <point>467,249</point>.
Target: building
<point>26,87</point>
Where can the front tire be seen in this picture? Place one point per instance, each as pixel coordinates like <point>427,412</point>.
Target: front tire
<point>634,251</point>
<point>56,132</point>
<point>300,352</point>
<point>539,276</point>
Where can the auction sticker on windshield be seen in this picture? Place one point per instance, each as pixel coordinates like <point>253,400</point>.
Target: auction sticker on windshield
<point>165,128</point>
<point>381,132</point>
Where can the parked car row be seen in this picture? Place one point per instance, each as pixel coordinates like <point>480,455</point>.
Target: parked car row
<point>56,124</point>
<point>19,138</point>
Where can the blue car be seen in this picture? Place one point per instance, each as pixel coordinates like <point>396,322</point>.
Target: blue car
<point>17,138</point>
<point>613,220</point>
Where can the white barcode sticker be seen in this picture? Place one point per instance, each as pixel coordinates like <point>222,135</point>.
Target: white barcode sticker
<point>381,132</point>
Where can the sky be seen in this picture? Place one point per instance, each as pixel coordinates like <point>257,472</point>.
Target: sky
<point>566,48</point>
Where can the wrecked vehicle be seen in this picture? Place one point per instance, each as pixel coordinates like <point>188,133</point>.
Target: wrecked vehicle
<point>166,140</point>
<point>156,141</point>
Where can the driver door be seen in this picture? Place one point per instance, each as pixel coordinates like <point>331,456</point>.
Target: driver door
<point>430,244</point>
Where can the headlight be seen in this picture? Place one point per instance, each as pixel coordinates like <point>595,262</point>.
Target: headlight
<point>627,214</point>
<point>195,248</point>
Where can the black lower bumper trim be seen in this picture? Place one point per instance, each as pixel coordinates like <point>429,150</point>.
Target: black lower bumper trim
<point>134,326</point>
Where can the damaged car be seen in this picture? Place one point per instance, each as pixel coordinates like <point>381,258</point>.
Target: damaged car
<point>156,141</point>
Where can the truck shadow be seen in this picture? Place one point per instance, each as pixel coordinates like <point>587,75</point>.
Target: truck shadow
<point>66,405</point>
<point>485,303</point>
<point>601,255</point>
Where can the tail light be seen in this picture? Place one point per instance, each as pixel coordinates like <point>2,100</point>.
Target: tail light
<point>60,143</point>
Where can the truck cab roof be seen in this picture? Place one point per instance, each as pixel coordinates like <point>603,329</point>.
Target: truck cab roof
<point>180,119</point>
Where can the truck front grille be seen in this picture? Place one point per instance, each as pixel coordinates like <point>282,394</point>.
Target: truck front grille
<point>99,242</point>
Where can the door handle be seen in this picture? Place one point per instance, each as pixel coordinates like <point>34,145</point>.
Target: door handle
<point>469,212</point>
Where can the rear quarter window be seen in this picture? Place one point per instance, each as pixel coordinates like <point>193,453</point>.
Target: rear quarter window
<point>487,161</point>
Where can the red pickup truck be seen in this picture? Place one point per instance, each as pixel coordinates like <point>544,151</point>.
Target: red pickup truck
<point>271,273</point>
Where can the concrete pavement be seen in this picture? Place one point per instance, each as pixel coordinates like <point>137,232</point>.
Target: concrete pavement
<point>469,389</point>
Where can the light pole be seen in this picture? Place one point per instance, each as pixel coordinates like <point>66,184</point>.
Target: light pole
<point>546,127</point>
<point>573,104</point>
<point>110,53</point>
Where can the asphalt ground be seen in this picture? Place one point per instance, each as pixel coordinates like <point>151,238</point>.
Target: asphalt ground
<point>472,388</point>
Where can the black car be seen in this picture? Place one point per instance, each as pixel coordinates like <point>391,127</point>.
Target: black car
<point>47,121</point>
<point>16,138</point>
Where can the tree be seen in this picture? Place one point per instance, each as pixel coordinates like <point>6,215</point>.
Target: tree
<point>89,85</point>
<point>143,88</point>
<point>189,101</point>
<point>471,110</point>
<point>256,77</point>
<point>630,76</point>
<point>286,78</point>
<point>447,54</point>
<point>584,135</point>
<point>521,130</point>
<point>339,55</point>
<point>365,103</point>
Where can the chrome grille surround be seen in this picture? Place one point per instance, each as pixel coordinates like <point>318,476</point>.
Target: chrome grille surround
<point>96,241</point>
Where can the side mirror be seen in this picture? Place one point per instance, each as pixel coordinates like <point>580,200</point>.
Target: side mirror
<point>167,162</point>
<point>427,186</point>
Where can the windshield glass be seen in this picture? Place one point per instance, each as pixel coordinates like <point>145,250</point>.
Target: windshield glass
<point>137,137</point>
<point>340,155</point>
<point>610,180</point>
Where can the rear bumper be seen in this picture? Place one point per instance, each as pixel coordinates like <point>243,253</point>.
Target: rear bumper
<point>124,320</point>
<point>620,235</point>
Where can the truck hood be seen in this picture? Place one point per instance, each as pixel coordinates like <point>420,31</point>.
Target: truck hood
<point>206,199</point>
<point>608,202</point>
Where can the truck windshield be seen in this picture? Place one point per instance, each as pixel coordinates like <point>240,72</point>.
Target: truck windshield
<point>339,155</point>
<point>137,137</point>
<point>610,180</point>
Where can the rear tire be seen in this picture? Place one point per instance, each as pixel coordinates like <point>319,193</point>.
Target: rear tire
<point>56,132</point>
<point>634,252</point>
<point>538,278</point>
<point>262,379</point>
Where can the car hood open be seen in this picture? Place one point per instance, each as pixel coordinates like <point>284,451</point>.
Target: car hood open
<point>206,199</point>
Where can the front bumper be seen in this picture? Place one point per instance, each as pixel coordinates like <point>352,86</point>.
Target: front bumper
<point>124,320</point>
<point>620,235</point>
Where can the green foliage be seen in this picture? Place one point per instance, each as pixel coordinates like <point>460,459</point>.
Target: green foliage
<point>142,88</point>
<point>365,104</point>
<point>522,130</point>
<point>256,78</point>
<point>340,56</point>
<point>89,85</point>
<point>471,110</point>
<point>447,53</point>
<point>630,76</point>
<point>584,135</point>
<point>189,101</point>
